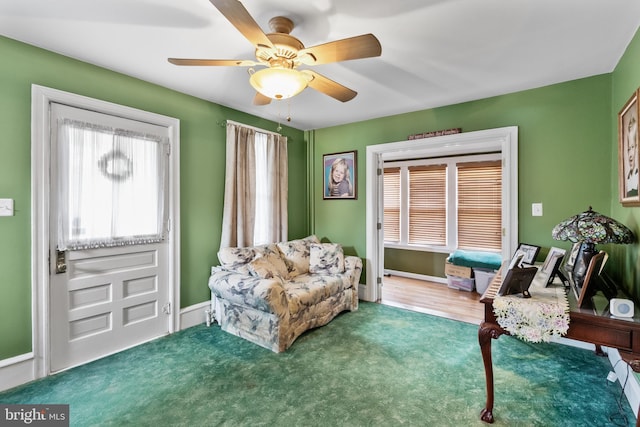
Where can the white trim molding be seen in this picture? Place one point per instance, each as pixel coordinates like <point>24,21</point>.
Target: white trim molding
<point>503,140</point>
<point>626,378</point>
<point>194,315</point>
<point>415,276</point>
<point>41,98</point>
<point>16,371</point>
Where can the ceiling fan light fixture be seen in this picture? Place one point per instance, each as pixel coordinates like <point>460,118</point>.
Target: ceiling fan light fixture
<point>279,83</point>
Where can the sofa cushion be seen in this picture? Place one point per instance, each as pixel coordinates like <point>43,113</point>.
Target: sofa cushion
<point>296,254</point>
<point>261,267</point>
<point>308,290</point>
<point>236,258</point>
<point>326,258</point>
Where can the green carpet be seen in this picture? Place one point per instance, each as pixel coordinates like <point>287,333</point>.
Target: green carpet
<point>379,366</point>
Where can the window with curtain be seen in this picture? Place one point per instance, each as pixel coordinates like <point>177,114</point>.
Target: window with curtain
<point>261,226</point>
<point>445,203</point>
<point>256,187</point>
<point>111,184</point>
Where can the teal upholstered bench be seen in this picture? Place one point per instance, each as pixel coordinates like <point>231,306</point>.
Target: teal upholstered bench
<point>476,259</point>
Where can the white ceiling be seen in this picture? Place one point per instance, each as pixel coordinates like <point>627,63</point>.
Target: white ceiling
<point>434,52</point>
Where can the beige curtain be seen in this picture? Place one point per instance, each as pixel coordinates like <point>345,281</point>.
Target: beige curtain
<point>278,189</point>
<point>241,223</point>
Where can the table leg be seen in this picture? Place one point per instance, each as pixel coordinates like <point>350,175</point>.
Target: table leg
<point>486,333</point>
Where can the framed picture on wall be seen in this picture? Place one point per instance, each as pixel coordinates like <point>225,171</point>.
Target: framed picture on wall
<point>629,179</point>
<point>340,175</point>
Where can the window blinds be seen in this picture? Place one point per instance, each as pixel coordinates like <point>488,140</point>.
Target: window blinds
<point>428,205</point>
<point>480,205</point>
<point>452,203</point>
<point>391,182</point>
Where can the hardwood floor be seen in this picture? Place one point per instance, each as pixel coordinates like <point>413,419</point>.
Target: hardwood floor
<point>432,298</point>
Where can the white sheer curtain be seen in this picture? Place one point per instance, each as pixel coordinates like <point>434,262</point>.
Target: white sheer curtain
<point>256,186</point>
<point>111,186</point>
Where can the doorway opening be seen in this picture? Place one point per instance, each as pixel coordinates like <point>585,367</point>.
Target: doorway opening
<point>502,141</point>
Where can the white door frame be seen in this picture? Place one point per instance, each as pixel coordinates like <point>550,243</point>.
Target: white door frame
<point>41,98</point>
<point>503,139</point>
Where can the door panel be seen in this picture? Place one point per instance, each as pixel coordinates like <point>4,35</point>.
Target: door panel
<point>108,300</point>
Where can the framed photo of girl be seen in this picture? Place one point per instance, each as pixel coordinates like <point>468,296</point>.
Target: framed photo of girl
<point>629,180</point>
<point>340,175</point>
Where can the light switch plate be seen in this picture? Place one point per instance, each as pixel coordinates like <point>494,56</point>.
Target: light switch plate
<point>536,209</point>
<point>6,207</point>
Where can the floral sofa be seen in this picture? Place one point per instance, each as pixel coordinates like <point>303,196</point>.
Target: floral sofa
<point>271,294</point>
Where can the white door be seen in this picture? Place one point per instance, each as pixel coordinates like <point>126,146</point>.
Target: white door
<point>113,292</point>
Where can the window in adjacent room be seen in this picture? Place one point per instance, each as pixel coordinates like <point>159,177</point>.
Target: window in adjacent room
<point>479,210</point>
<point>392,204</point>
<point>443,204</point>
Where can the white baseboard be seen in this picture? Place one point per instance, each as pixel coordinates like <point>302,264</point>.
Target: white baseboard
<point>16,371</point>
<point>364,295</point>
<point>626,377</point>
<point>575,343</point>
<point>416,276</point>
<point>194,315</point>
<point>623,371</point>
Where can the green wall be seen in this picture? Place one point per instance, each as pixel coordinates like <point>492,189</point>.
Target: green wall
<point>567,161</point>
<point>417,262</point>
<point>202,172</point>
<point>564,151</point>
<point>625,259</point>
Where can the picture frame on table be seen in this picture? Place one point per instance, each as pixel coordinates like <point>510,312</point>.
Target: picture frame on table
<point>517,281</point>
<point>589,286</point>
<point>550,267</point>
<point>516,260</point>
<point>340,171</point>
<point>530,253</point>
<point>628,154</point>
<point>571,259</point>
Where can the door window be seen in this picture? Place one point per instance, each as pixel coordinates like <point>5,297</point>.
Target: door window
<point>112,190</point>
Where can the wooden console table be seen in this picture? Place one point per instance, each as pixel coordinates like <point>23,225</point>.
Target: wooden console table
<point>589,324</point>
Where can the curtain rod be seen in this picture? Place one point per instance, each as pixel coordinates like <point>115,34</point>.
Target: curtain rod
<point>257,129</point>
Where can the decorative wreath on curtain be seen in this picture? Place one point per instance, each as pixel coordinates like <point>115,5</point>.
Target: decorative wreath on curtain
<point>116,166</point>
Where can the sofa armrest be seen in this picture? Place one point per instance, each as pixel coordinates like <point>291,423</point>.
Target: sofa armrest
<point>353,267</point>
<point>262,294</point>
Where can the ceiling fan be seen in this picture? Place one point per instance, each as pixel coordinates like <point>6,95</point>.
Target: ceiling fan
<point>282,54</point>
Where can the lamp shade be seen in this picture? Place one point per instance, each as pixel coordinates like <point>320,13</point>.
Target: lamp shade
<point>279,83</point>
<point>592,227</point>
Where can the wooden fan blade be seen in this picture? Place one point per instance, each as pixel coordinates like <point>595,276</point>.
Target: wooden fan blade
<point>213,62</point>
<point>364,46</point>
<point>329,87</point>
<point>261,99</point>
<point>236,13</point>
